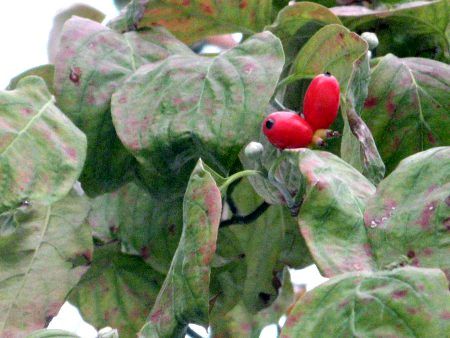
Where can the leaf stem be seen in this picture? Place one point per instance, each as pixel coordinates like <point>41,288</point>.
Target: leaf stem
<point>237,176</point>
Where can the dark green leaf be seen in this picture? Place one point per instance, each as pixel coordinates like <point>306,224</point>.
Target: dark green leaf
<point>331,215</point>
<point>192,20</point>
<point>146,226</point>
<point>295,24</point>
<point>41,151</point>
<point>42,257</point>
<point>408,219</point>
<point>406,302</point>
<point>91,64</point>
<point>184,297</point>
<point>239,322</point>
<point>118,291</point>
<point>171,113</point>
<point>253,254</point>
<point>408,106</point>
<point>46,72</point>
<point>409,29</point>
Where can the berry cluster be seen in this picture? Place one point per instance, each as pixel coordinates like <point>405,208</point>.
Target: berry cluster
<point>285,129</point>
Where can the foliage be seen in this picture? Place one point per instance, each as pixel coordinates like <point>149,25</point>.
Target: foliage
<point>176,223</point>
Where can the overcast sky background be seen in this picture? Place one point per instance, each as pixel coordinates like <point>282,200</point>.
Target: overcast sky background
<point>24,29</point>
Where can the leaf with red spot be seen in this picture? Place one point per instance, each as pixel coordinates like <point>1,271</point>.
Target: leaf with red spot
<point>331,215</point>
<point>392,24</point>
<point>408,219</point>
<point>296,23</point>
<point>184,296</point>
<point>171,113</point>
<point>407,108</point>
<point>146,226</point>
<point>43,254</point>
<point>41,151</point>
<point>193,20</point>
<point>407,302</point>
<point>92,62</point>
<point>117,291</point>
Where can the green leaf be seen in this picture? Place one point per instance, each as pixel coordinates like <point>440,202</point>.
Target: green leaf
<point>407,106</point>
<point>408,29</point>
<point>42,256</point>
<point>196,107</point>
<point>406,302</point>
<point>117,291</point>
<point>253,254</point>
<point>408,218</point>
<point>46,72</point>
<point>48,333</point>
<point>79,10</point>
<point>240,323</point>
<point>358,147</point>
<point>296,23</point>
<point>41,151</point>
<point>184,297</point>
<point>331,215</point>
<point>92,62</point>
<point>338,49</point>
<point>146,226</point>
<point>192,20</point>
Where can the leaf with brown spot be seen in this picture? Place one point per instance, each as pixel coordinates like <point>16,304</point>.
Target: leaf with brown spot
<point>192,20</point>
<point>117,291</point>
<point>184,296</point>
<point>407,218</point>
<point>405,302</point>
<point>41,151</point>
<point>41,258</point>
<point>91,64</point>
<point>408,106</point>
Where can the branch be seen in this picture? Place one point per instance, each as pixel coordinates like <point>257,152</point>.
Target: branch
<point>192,333</point>
<point>254,215</point>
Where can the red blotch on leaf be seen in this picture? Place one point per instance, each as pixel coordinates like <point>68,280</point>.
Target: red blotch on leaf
<point>186,2</point>
<point>243,4</point>
<point>399,294</point>
<point>370,102</point>
<point>445,315</point>
<point>427,213</point>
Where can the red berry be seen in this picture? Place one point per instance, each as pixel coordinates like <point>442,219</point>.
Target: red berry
<point>287,130</point>
<point>321,102</point>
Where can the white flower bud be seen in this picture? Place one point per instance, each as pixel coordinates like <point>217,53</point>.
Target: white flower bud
<point>371,39</point>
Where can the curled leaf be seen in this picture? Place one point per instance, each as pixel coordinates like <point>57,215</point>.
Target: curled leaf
<point>184,296</point>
